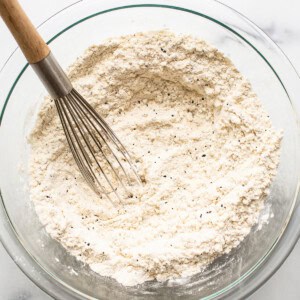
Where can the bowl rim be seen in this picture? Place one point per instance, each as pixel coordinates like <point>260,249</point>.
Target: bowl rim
<point>230,289</point>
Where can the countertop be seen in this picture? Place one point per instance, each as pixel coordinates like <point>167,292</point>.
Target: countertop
<point>280,20</point>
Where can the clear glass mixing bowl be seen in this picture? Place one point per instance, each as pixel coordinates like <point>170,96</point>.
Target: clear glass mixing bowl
<point>88,22</point>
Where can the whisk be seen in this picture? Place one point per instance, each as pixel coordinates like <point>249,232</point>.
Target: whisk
<point>100,156</point>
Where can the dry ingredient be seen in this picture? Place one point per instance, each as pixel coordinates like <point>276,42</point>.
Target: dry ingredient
<point>200,138</point>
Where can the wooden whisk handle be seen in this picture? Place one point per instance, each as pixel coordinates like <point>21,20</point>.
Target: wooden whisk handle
<point>27,37</point>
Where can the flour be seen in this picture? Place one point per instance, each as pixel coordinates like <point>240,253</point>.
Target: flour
<point>199,137</point>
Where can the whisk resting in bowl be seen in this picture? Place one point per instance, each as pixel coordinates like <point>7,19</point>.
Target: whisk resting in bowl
<point>100,156</point>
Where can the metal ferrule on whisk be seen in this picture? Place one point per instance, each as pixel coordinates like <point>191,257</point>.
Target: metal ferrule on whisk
<point>53,77</point>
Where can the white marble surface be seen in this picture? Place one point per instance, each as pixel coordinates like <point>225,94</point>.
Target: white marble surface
<point>280,20</point>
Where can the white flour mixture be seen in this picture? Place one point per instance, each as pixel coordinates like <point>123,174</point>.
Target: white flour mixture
<point>200,138</point>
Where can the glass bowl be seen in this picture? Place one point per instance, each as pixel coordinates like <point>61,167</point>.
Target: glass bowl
<point>69,32</point>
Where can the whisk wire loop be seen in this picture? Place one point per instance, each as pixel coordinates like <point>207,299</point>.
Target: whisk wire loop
<point>94,146</point>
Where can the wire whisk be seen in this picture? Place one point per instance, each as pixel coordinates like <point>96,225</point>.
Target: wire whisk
<point>101,158</point>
